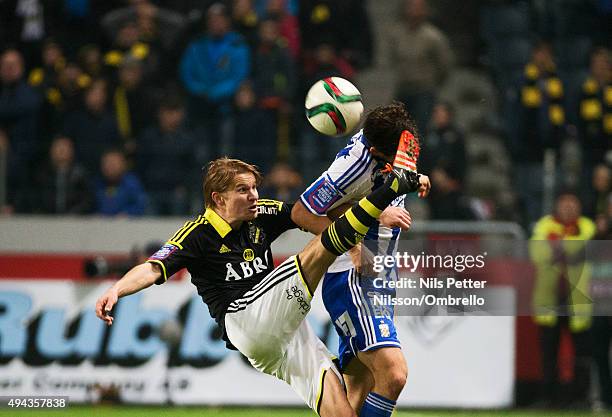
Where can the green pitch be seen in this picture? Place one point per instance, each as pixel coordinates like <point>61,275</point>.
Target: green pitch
<point>125,411</point>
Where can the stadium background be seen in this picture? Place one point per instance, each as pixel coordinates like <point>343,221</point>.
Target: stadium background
<point>97,72</point>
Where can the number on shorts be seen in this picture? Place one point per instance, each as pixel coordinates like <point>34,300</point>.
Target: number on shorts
<point>345,323</point>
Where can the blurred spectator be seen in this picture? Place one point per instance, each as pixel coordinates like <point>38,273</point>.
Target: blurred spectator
<point>282,183</point>
<point>444,143</point>
<point>325,63</point>
<point>447,201</point>
<point>19,112</point>
<point>118,192</point>
<point>93,128</point>
<point>254,130</point>
<point>245,21</point>
<point>595,123</point>
<point>288,25</point>
<point>335,22</point>
<point>273,68</point>
<point>166,160</point>
<point>63,96</point>
<point>156,25</point>
<point>61,85</point>
<point>212,69</point>
<point>133,103</point>
<point>596,200</point>
<point>90,60</point>
<point>541,127</point>
<point>421,56</point>
<point>561,295</point>
<point>128,44</point>
<point>53,61</point>
<point>62,185</point>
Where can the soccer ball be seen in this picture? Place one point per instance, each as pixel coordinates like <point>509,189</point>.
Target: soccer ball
<point>333,106</point>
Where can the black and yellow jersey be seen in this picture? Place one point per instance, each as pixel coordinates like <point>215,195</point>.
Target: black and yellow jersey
<point>224,263</point>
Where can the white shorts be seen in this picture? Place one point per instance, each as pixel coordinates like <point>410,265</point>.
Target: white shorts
<point>267,326</point>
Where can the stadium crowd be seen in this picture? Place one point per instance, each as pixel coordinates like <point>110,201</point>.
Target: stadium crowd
<point>96,96</point>
<point>173,84</point>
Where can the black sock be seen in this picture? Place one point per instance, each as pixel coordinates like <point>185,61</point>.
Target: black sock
<point>349,229</point>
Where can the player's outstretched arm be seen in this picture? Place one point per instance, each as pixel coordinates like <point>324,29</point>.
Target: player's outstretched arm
<point>138,278</point>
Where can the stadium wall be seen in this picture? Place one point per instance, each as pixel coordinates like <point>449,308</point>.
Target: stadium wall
<point>164,347</point>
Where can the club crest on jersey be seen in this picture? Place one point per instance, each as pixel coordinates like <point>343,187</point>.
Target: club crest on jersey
<point>322,195</point>
<point>384,330</point>
<point>164,252</point>
<point>248,255</point>
<point>256,235</point>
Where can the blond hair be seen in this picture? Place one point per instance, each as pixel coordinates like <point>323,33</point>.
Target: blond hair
<point>221,174</point>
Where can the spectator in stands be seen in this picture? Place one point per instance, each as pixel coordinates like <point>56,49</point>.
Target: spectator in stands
<point>19,111</point>
<point>561,295</point>
<point>288,25</point>
<point>53,61</point>
<point>274,75</point>
<point>541,127</point>
<point>595,122</point>
<point>62,185</point>
<point>156,25</point>
<point>245,21</point>
<point>596,198</point>
<point>335,23</point>
<point>282,183</point>
<point>128,43</point>
<point>93,128</point>
<point>118,192</point>
<point>421,56</point>
<point>90,60</point>
<point>254,123</point>
<point>166,160</point>
<point>448,201</point>
<point>133,102</point>
<point>212,68</point>
<point>60,83</point>
<point>444,142</point>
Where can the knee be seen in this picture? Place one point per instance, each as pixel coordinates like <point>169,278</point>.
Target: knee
<point>393,379</point>
<point>396,379</point>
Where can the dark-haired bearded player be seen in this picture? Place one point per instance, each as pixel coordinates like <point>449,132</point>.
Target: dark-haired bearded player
<point>371,359</point>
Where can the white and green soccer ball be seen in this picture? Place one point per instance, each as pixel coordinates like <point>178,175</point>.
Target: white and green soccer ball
<point>334,106</point>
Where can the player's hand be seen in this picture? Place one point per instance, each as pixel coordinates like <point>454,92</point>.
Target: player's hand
<point>425,186</point>
<point>105,304</point>
<point>396,217</point>
<point>355,254</point>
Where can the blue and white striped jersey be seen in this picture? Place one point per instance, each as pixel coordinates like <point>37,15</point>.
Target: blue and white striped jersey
<point>352,176</point>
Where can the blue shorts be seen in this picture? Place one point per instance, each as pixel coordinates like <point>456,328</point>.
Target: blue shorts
<point>362,323</point>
